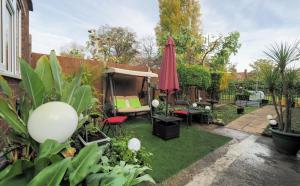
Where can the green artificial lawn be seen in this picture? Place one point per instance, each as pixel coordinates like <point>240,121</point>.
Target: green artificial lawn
<point>228,112</point>
<point>171,156</point>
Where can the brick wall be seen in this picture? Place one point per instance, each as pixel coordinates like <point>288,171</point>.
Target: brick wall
<point>124,85</point>
<point>26,38</point>
<point>26,50</point>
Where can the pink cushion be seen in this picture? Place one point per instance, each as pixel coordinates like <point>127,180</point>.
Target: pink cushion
<point>182,112</point>
<point>116,119</point>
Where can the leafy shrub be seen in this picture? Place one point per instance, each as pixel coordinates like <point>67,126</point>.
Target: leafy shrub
<point>193,75</point>
<point>50,167</point>
<point>118,151</point>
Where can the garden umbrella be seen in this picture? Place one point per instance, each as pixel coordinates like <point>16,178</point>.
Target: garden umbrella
<point>168,81</point>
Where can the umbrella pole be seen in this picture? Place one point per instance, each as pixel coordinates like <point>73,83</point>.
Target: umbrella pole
<point>167,103</point>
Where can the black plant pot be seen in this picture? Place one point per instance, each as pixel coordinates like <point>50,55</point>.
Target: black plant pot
<point>287,143</point>
<point>240,110</point>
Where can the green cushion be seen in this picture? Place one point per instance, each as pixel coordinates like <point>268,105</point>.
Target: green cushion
<point>120,103</point>
<point>135,102</point>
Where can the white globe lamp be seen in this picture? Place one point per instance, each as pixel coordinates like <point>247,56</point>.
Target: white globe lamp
<point>194,105</point>
<point>155,103</point>
<point>269,117</point>
<point>207,107</point>
<point>52,120</point>
<point>273,122</point>
<point>200,99</point>
<point>134,144</point>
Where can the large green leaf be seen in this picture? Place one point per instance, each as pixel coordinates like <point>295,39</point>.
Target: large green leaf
<point>43,69</point>
<point>12,119</point>
<point>50,147</point>
<point>47,151</point>
<point>14,170</point>
<point>25,108</point>
<point>70,88</point>
<point>86,162</point>
<point>5,87</point>
<point>82,98</point>
<point>56,73</point>
<point>51,175</point>
<point>32,84</point>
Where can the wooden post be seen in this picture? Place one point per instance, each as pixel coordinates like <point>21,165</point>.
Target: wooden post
<point>112,94</point>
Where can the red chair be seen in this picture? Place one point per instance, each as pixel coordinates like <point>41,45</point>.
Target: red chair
<point>116,121</point>
<point>183,112</point>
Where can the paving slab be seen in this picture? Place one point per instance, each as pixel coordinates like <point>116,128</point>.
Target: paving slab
<point>254,122</point>
<point>253,161</point>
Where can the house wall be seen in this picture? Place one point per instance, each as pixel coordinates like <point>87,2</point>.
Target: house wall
<point>26,50</point>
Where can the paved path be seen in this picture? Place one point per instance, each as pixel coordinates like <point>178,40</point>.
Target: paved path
<point>254,122</point>
<point>250,160</point>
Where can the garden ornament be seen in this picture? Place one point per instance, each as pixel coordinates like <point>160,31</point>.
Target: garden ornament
<point>53,120</point>
<point>134,144</point>
<point>155,103</point>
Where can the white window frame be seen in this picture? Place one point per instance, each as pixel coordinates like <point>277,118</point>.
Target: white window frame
<point>15,8</point>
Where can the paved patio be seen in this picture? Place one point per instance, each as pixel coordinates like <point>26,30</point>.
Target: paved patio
<point>250,160</point>
<point>254,122</point>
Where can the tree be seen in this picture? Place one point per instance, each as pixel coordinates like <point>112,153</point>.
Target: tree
<point>181,20</point>
<point>116,44</point>
<point>229,45</point>
<point>283,78</point>
<point>260,66</point>
<point>73,50</point>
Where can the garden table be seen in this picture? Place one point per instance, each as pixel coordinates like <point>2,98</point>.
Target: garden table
<point>166,127</point>
<point>189,113</point>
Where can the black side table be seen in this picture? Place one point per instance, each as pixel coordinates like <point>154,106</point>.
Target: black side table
<point>166,127</point>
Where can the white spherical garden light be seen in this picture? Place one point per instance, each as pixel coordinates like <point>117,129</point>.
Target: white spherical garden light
<point>134,144</point>
<point>194,105</point>
<point>155,103</point>
<point>207,108</point>
<point>52,120</point>
<point>269,117</point>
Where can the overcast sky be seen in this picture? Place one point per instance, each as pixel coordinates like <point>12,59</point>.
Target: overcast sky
<point>260,22</point>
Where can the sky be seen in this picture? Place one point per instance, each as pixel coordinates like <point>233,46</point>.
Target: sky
<point>56,23</point>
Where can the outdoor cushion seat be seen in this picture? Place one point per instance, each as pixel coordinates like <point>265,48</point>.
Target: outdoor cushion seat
<point>182,112</point>
<point>116,119</point>
<point>145,108</point>
<point>130,104</point>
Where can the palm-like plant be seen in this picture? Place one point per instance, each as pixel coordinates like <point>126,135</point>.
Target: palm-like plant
<point>283,78</point>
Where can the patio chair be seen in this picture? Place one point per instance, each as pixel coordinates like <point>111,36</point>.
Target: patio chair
<point>111,121</point>
<point>183,112</point>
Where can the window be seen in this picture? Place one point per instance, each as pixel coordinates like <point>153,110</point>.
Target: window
<point>10,45</point>
<point>18,36</point>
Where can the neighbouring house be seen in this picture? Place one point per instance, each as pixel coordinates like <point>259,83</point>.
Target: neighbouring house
<point>15,40</point>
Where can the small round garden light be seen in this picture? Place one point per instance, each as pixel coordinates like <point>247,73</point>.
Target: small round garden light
<point>134,144</point>
<point>53,120</point>
<point>273,123</point>
<point>200,99</point>
<point>207,108</point>
<point>194,105</point>
<point>155,103</point>
<point>269,117</point>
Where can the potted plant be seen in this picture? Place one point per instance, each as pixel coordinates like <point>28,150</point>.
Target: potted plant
<point>281,80</point>
<point>240,108</point>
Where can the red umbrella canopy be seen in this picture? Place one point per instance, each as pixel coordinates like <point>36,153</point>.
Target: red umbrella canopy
<point>168,81</point>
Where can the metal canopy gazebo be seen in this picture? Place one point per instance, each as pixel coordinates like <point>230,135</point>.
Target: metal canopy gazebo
<point>111,72</point>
